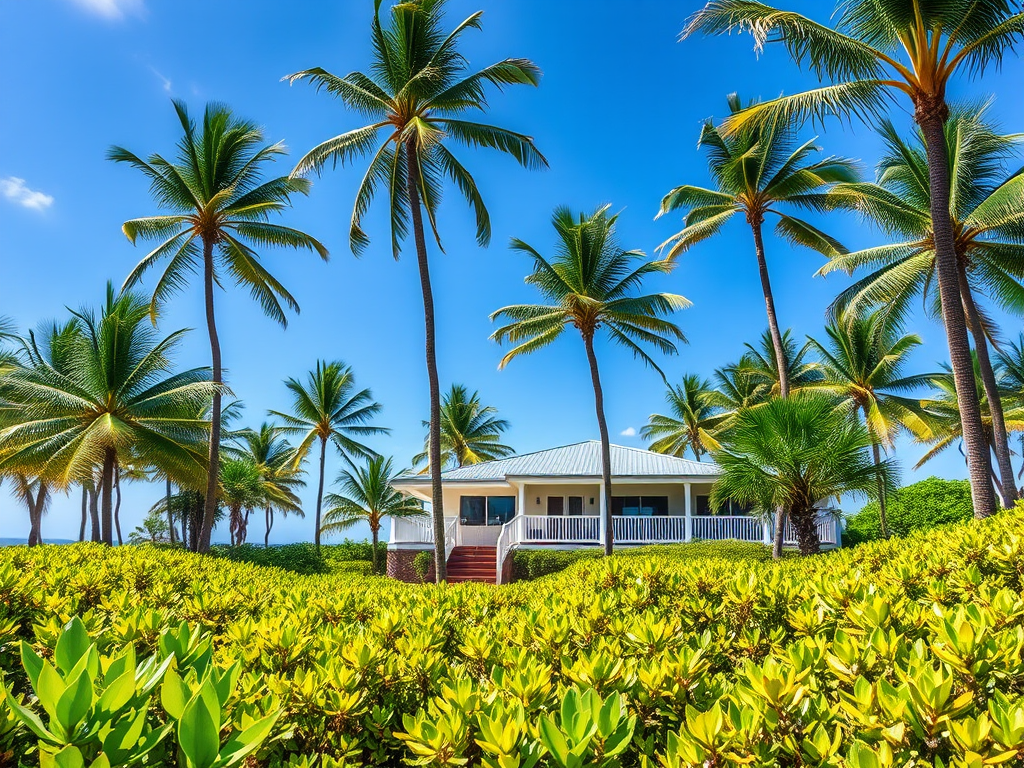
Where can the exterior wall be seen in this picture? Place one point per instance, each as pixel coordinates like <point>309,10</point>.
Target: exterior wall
<point>399,565</point>
<point>541,491</point>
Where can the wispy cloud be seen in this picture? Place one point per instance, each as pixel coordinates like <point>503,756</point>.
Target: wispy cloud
<point>111,9</point>
<point>628,432</point>
<point>14,189</point>
<point>165,81</point>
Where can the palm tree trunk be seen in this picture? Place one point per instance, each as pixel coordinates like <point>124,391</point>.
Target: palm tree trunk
<point>806,530</point>
<point>94,512</point>
<point>883,521</point>
<point>270,524</point>
<point>107,505</point>
<point>33,522</point>
<point>931,118</point>
<point>210,505</point>
<point>780,359</point>
<point>184,526</point>
<point>320,493</point>
<point>117,504</point>
<point>170,517</point>
<point>374,536</point>
<point>434,435</point>
<point>85,512</point>
<point>606,452</point>
<point>1000,441</point>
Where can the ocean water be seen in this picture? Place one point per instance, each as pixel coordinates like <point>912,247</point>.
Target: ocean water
<point>15,542</point>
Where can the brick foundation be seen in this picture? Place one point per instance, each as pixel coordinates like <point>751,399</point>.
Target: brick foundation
<point>399,565</point>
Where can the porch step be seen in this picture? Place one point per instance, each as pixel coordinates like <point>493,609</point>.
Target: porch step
<point>473,564</point>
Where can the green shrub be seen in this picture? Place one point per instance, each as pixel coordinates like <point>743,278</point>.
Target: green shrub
<point>297,558</point>
<point>422,564</point>
<point>530,564</point>
<point>916,507</point>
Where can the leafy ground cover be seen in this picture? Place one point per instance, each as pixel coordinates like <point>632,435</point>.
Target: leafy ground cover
<point>892,653</point>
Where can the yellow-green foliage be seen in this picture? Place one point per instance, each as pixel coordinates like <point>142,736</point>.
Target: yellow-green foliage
<point>901,653</point>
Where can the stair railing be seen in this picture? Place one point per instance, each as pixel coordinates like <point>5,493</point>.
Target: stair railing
<point>451,537</point>
<point>511,533</point>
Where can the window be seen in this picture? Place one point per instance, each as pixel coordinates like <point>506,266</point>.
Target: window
<point>556,505</point>
<point>730,507</point>
<point>487,510</point>
<point>575,505</point>
<point>639,506</point>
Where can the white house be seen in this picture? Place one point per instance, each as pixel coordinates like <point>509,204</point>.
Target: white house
<point>555,499</point>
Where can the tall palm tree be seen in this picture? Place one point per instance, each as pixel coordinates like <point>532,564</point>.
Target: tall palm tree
<point>591,283</point>
<point>737,386</point>
<point>693,421</point>
<point>470,431</point>
<point>100,391</point>
<point>327,408</point>
<point>881,51</point>
<point>368,496</point>
<point>758,172</point>
<point>1010,372</point>
<point>987,208</point>
<point>275,459</point>
<point>36,494</point>
<point>792,453</point>
<point>863,363</point>
<point>943,415</point>
<point>220,207</point>
<point>417,95</point>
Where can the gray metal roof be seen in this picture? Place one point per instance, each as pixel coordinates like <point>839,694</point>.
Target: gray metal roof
<point>577,460</point>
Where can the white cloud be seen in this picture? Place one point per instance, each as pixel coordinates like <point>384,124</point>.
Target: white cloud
<point>165,81</point>
<point>110,9</point>
<point>14,189</point>
<point>628,432</point>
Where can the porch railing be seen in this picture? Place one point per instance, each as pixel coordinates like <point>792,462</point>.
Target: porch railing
<point>720,527</point>
<point>648,530</point>
<point>451,537</point>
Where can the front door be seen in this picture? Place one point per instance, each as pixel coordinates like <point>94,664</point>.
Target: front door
<point>575,505</point>
<point>556,505</point>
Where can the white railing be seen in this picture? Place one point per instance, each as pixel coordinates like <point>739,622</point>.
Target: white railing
<point>412,530</point>
<point>718,527</point>
<point>451,537</point>
<point>828,533</point>
<point>503,547</point>
<point>570,529</point>
<point>648,530</point>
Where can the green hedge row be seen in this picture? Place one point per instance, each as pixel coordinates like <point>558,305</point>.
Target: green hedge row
<point>916,507</point>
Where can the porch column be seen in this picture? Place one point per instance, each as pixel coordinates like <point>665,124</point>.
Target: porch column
<point>766,531</point>
<point>688,507</point>
<point>602,526</point>
<point>521,509</point>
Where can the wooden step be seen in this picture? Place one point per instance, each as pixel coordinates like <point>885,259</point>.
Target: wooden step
<point>472,563</point>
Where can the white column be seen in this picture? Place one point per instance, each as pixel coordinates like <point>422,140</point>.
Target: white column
<point>521,510</point>
<point>602,525</point>
<point>766,531</point>
<point>688,507</point>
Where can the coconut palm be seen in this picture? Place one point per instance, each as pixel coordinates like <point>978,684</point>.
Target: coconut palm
<point>879,52</point>
<point>275,459</point>
<point>1010,372</point>
<point>36,494</point>
<point>758,173</point>
<point>761,364</point>
<point>470,431</point>
<point>241,489</point>
<point>692,423</point>
<point>737,386</point>
<point>591,283</point>
<point>100,391</point>
<point>368,496</point>
<point>793,453</point>
<point>863,363</point>
<point>416,96</point>
<point>219,213</point>
<point>988,234</point>
<point>327,408</point>
<point>942,413</point>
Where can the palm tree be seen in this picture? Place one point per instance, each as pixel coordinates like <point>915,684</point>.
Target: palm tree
<point>470,431</point>
<point>220,206</point>
<point>591,283</point>
<point>793,453</point>
<point>368,496</point>
<point>943,414</point>
<point>329,409</point>
<point>36,494</point>
<point>761,364</point>
<point>241,489</point>
<point>275,459</point>
<point>879,51</point>
<point>863,363</point>
<point>692,423</point>
<point>988,227</point>
<point>100,391</point>
<point>737,386</point>
<point>758,172</point>
<point>416,94</point>
<point>1010,370</point>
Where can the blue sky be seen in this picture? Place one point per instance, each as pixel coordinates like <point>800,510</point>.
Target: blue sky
<point>617,114</point>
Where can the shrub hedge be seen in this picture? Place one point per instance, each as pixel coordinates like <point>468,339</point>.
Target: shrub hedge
<point>894,653</point>
<point>302,557</point>
<point>923,505</point>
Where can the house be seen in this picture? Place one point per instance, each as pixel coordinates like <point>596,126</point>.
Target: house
<point>555,499</point>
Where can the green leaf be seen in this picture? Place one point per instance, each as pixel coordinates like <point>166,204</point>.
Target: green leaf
<point>174,694</point>
<point>69,757</point>
<point>75,703</point>
<point>198,732</point>
<point>244,742</point>
<point>29,718</point>
<point>73,644</point>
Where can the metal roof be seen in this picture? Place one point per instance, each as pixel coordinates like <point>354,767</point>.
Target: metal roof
<point>574,461</point>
